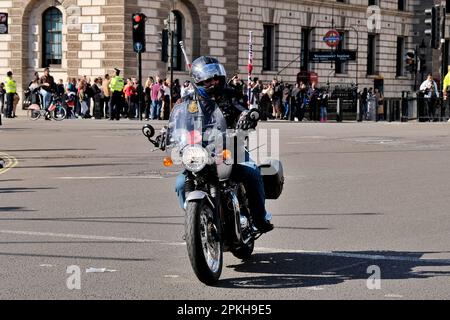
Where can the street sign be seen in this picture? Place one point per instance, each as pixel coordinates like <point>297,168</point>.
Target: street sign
<point>3,23</point>
<point>332,38</point>
<point>330,56</point>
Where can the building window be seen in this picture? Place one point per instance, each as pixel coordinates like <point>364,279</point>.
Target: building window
<point>340,67</point>
<point>306,41</point>
<point>401,5</point>
<point>373,2</point>
<point>52,37</point>
<point>371,54</point>
<point>269,48</point>
<point>400,56</point>
<point>177,25</point>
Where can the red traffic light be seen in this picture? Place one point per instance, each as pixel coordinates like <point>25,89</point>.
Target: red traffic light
<point>137,18</point>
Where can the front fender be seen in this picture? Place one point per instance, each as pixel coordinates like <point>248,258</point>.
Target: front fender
<point>199,195</point>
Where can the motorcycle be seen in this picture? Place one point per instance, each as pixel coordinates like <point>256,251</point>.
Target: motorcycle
<point>217,215</point>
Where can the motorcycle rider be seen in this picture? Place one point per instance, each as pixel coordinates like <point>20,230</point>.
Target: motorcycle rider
<point>210,78</point>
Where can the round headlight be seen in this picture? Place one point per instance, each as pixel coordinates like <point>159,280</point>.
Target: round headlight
<point>195,158</point>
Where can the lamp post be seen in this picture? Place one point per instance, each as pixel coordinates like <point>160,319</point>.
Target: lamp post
<point>172,22</point>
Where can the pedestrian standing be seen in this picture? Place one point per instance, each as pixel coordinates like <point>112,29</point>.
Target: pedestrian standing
<point>176,93</point>
<point>148,97</point>
<point>313,96</point>
<point>276,98</point>
<point>128,91</point>
<point>98,106</point>
<point>166,100</point>
<point>11,90</point>
<point>117,84</point>
<point>157,97</point>
<point>286,101</point>
<point>363,102</point>
<point>431,94</point>
<point>379,98</point>
<point>106,95</point>
<point>445,93</point>
<point>2,98</point>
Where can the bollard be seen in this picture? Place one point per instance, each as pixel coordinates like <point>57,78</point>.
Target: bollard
<point>388,110</point>
<point>358,111</point>
<point>401,109</point>
<point>338,110</point>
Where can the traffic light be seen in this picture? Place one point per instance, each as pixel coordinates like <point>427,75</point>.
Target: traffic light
<point>163,45</point>
<point>422,64</point>
<point>139,32</point>
<point>410,61</point>
<point>433,23</point>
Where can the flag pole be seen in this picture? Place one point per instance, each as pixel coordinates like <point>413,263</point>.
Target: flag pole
<point>250,66</point>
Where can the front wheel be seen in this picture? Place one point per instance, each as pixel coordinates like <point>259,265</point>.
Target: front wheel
<point>203,242</point>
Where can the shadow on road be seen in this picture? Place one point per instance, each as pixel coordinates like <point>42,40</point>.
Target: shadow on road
<point>327,214</point>
<point>93,258</point>
<point>298,270</point>
<point>87,165</point>
<point>120,220</point>
<point>13,209</point>
<point>22,190</point>
<point>49,150</point>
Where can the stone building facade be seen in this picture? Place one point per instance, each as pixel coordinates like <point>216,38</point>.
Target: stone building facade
<point>95,37</point>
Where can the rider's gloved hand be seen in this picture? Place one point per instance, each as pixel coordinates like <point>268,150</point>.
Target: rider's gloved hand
<point>248,119</point>
<point>243,122</point>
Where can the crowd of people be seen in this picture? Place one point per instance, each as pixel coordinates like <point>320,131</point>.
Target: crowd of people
<point>85,98</point>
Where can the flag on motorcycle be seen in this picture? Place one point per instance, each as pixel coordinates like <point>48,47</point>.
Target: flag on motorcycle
<point>250,56</point>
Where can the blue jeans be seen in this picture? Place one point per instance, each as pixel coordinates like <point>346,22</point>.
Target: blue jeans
<point>156,109</point>
<point>286,109</point>
<point>250,175</point>
<point>46,98</point>
<point>323,113</point>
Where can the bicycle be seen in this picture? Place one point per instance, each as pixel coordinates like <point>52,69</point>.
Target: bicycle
<point>56,110</point>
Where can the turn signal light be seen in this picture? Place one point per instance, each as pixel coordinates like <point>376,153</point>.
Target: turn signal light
<point>167,162</point>
<point>226,155</point>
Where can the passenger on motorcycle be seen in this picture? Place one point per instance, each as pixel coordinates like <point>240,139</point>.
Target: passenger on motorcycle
<point>210,78</point>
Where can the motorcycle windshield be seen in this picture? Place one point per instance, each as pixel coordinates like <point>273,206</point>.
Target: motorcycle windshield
<point>191,122</point>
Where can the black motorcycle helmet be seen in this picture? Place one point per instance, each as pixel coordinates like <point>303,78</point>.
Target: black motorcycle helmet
<point>205,69</point>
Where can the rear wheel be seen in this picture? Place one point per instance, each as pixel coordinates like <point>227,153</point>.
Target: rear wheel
<point>59,113</point>
<point>203,242</point>
<point>33,114</point>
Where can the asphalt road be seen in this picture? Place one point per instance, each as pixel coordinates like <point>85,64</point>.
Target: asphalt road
<point>90,193</point>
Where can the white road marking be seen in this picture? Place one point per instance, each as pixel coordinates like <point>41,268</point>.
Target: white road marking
<point>79,236</point>
<point>259,249</point>
<point>99,270</point>
<point>355,255</point>
<point>393,296</point>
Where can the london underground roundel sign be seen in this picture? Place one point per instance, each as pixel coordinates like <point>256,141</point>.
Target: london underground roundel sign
<point>332,38</point>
